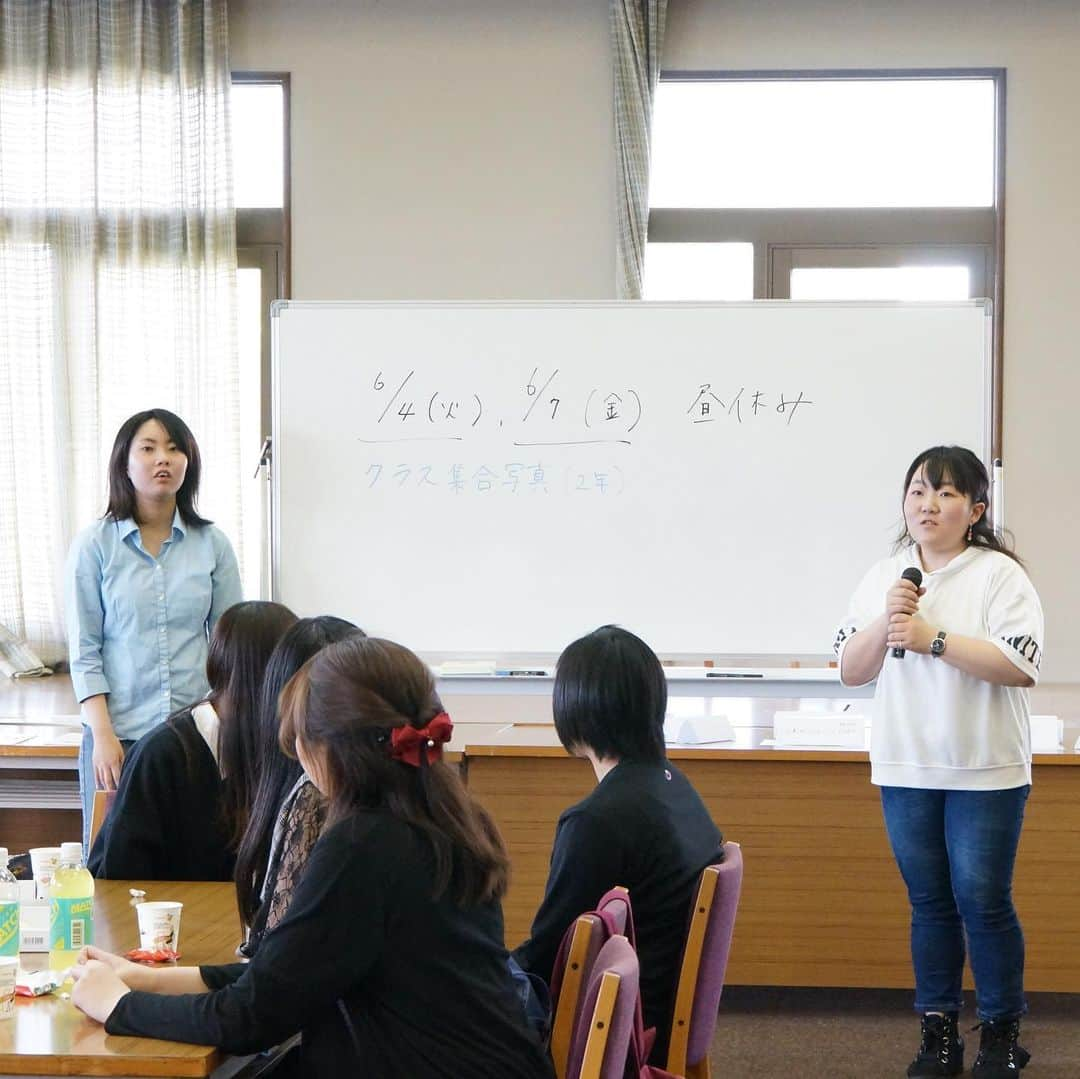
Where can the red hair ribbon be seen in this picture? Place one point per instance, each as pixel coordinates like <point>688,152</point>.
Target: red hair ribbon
<point>408,742</point>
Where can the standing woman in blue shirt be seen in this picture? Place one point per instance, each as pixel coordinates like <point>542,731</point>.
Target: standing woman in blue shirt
<point>145,585</point>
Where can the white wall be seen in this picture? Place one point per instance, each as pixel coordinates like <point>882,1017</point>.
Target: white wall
<point>464,151</point>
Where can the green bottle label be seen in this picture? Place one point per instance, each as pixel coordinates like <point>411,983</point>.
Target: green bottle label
<point>9,928</point>
<point>71,923</point>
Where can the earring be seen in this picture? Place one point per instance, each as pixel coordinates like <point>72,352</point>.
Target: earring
<point>969,533</point>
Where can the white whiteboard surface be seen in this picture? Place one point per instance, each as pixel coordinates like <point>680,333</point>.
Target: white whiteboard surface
<point>502,478</point>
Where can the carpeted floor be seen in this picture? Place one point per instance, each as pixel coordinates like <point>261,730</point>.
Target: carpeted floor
<point>869,1034</point>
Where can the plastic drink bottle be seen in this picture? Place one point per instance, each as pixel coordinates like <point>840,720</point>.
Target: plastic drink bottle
<point>9,908</point>
<point>71,908</point>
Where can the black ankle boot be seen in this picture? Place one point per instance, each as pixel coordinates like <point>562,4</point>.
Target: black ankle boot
<point>999,1055</point>
<point>942,1048</point>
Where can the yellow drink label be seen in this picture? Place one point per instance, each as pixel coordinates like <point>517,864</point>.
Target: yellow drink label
<point>9,928</point>
<point>71,923</point>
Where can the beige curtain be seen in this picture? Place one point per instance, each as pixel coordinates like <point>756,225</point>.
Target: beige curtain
<point>637,35</point>
<point>117,268</point>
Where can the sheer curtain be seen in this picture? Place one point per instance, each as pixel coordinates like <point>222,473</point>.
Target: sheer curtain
<point>637,35</point>
<point>117,268</point>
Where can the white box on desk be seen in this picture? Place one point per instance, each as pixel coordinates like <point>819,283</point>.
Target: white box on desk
<point>34,925</point>
<point>697,730</point>
<point>833,730</point>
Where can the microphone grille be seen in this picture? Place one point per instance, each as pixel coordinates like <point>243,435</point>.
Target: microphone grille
<point>912,574</point>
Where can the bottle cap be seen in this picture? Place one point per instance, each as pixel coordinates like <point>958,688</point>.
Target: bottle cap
<point>71,852</point>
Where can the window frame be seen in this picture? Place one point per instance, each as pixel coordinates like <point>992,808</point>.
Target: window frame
<point>264,243</point>
<point>781,235</point>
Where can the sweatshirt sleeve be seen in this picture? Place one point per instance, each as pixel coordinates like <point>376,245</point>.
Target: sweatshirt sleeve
<point>1014,618</point>
<point>867,602</point>
<point>329,941</point>
<point>586,860</point>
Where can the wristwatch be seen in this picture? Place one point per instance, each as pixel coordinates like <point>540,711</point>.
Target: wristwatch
<point>937,645</point>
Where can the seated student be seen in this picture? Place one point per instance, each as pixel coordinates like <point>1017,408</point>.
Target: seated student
<point>288,811</point>
<point>643,827</point>
<point>183,791</point>
<point>390,958</point>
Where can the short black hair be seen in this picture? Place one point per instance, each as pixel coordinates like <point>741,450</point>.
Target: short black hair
<point>610,696</point>
<point>121,491</point>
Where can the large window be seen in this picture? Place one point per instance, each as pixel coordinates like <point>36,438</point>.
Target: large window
<point>260,115</point>
<point>848,185</point>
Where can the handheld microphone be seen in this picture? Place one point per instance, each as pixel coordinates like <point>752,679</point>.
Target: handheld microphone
<point>914,575</point>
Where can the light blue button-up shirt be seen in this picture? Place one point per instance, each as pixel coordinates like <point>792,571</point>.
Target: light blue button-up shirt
<point>137,625</point>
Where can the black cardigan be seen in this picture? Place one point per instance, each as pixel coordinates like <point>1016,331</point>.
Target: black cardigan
<point>165,823</point>
<point>643,827</point>
<point>383,980</point>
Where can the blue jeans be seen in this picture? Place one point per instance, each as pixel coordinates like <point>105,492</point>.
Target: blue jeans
<point>956,851</point>
<point>87,782</point>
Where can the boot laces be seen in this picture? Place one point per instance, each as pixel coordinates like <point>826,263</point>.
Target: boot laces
<point>998,1043</point>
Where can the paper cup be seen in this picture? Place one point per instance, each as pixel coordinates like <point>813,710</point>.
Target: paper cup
<point>9,969</point>
<point>43,864</point>
<point>159,925</point>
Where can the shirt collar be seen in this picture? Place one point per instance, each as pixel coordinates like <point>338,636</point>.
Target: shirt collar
<point>129,525</point>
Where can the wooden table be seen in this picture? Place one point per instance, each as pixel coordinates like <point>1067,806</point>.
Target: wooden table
<point>823,903</point>
<point>50,1036</point>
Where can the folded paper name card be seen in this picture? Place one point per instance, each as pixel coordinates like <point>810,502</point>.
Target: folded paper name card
<point>833,730</point>
<point>697,730</point>
<point>1047,733</point>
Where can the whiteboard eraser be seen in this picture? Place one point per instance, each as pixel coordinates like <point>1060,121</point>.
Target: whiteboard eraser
<point>839,730</point>
<point>697,730</point>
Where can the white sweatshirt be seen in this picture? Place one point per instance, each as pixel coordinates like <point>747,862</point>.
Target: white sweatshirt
<point>934,726</point>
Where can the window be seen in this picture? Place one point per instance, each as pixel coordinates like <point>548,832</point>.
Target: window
<point>260,130</point>
<point>847,185</point>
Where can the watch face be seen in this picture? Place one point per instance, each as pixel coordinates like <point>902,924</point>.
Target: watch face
<point>937,646</point>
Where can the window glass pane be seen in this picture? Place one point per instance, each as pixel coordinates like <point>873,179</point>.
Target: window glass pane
<point>881,283</point>
<point>258,134</point>
<point>250,317</point>
<point>828,142</point>
<point>676,271</point>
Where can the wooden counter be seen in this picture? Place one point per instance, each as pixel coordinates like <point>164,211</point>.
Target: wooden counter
<point>823,903</point>
<point>50,1036</point>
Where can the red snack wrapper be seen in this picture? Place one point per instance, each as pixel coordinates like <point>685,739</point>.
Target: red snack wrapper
<point>157,955</point>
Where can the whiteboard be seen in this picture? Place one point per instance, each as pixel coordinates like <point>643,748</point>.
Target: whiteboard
<point>501,478</point>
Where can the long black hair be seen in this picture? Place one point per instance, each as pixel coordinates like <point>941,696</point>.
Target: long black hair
<point>964,470</point>
<point>241,644</point>
<point>277,773</point>
<point>122,504</point>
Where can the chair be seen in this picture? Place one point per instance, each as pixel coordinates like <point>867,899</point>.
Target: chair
<point>601,1040</point>
<point>103,801</point>
<point>705,956</point>
<point>588,937</point>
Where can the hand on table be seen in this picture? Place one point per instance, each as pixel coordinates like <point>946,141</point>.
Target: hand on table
<point>98,987</point>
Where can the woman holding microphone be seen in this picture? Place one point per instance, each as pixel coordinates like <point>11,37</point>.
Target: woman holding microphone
<point>145,585</point>
<point>954,648</point>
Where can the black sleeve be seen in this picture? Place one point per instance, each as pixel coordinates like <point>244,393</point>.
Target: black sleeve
<point>586,861</point>
<point>134,843</point>
<point>328,942</point>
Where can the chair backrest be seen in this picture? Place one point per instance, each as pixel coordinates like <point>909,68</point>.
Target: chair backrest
<point>585,943</point>
<point>577,953</point>
<point>701,977</point>
<point>103,801</point>
<point>601,1040</point>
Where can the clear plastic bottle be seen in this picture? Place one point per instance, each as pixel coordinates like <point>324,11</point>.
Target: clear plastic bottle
<point>71,908</point>
<point>9,908</point>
